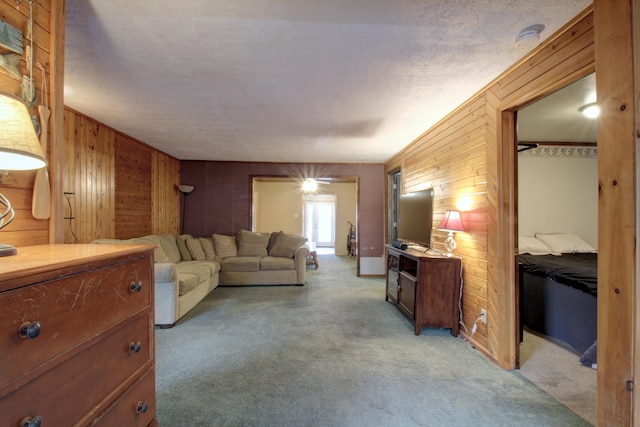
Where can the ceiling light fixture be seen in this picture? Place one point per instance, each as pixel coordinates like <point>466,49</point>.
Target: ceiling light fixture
<point>309,185</point>
<point>529,36</point>
<point>591,111</point>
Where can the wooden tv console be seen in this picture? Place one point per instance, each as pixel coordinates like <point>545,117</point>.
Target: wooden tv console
<point>77,336</point>
<point>425,287</point>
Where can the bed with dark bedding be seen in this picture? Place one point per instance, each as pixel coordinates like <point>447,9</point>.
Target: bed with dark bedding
<point>559,299</point>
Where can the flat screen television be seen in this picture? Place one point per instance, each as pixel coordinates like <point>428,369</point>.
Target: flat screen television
<point>415,217</point>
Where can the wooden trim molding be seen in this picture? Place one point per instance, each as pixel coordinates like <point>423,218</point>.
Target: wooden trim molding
<point>617,178</point>
<point>56,60</point>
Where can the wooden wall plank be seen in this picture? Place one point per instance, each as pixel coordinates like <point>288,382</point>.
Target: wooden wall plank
<point>166,197</point>
<point>133,164</point>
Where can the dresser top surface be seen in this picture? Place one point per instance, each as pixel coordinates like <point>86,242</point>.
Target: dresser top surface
<point>44,258</point>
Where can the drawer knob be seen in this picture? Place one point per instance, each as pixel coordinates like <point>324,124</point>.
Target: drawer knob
<point>31,422</point>
<point>134,347</point>
<point>135,286</point>
<point>30,330</point>
<point>141,407</point>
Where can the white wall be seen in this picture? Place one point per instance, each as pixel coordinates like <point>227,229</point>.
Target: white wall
<point>558,194</point>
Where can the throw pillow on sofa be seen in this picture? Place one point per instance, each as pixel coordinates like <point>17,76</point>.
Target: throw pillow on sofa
<point>168,242</point>
<point>252,244</point>
<point>225,246</point>
<point>181,241</point>
<point>195,249</point>
<point>285,245</point>
<point>207,246</point>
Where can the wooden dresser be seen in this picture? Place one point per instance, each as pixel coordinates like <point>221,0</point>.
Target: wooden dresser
<point>77,336</point>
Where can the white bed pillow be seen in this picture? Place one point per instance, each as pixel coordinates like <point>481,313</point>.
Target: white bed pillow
<point>566,243</point>
<point>533,246</point>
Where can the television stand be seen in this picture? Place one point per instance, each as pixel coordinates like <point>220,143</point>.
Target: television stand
<point>425,288</point>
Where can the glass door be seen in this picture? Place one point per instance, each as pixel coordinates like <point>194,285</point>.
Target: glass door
<point>320,218</point>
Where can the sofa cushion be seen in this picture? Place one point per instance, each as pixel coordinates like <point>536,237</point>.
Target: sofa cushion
<point>196,250</point>
<point>212,265</point>
<point>202,271</point>
<point>252,243</point>
<point>285,245</point>
<point>241,263</point>
<point>181,241</point>
<point>270,263</point>
<point>187,282</point>
<point>225,246</point>
<point>208,247</point>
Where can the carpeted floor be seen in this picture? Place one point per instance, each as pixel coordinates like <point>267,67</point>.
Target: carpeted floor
<point>332,353</point>
<point>557,370</point>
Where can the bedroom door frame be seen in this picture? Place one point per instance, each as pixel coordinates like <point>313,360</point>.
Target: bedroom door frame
<point>508,295</point>
<point>510,280</point>
<point>616,61</point>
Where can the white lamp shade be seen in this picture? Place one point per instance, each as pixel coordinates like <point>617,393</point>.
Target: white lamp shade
<point>19,145</point>
<point>186,189</point>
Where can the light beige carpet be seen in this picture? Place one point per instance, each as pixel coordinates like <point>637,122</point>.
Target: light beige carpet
<point>558,371</point>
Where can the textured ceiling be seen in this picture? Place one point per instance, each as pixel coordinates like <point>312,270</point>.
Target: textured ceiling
<point>289,80</point>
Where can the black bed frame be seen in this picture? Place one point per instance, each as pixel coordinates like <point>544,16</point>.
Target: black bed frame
<point>558,311</point>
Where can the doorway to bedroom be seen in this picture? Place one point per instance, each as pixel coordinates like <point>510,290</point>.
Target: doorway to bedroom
<point>557,213</point>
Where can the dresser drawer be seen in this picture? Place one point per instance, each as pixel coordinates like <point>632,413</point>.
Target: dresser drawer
<point>137,407</point>
<point>72,391</point>
<point>70,310</point>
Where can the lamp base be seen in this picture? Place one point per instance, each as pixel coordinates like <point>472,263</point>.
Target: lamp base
<point>450,244</point>
<point>7,250</point>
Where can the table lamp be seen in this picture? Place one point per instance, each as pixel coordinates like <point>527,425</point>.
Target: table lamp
<point>19,150</point>
<point>451,223</point>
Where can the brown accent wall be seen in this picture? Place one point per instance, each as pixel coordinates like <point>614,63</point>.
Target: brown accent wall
<point>221,201</point>
<point>470,156</point>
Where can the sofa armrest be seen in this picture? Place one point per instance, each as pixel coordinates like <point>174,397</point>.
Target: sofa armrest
<point>300,261</point>
<point>166,293</point>
<point>165,272</point>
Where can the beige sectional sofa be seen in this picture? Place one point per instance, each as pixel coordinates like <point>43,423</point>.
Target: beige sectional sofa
<point>188,268</point>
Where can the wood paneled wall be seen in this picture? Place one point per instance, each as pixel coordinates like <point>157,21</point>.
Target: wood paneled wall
<point>165,207</point>
<point>469,160</point>
<point>121,187</point>
<point>133,188</point>
<point>18,186</point>
<point>88,179</point>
